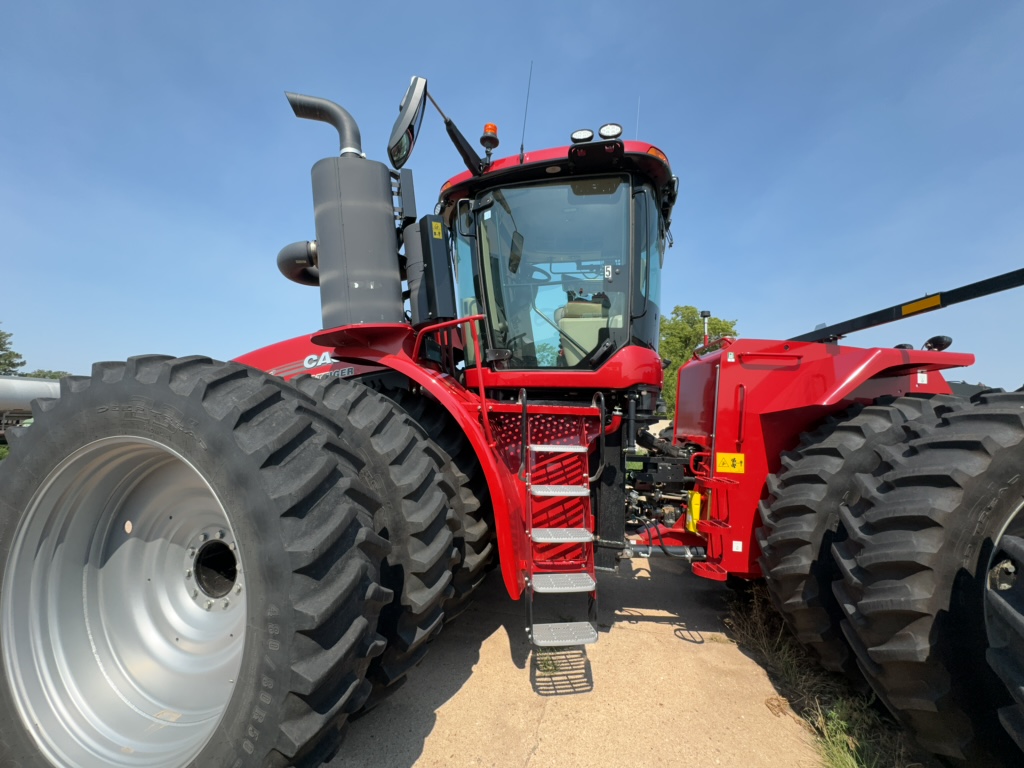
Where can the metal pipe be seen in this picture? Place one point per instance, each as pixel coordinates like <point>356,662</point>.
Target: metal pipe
<point>654,550</point>
<point>18,392</point>
<point>315,108</point>
<point>297,262</point>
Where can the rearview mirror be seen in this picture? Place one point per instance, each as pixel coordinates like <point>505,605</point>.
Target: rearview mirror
<point>516,254</point>
<point>407,126</point>
<point>464,218</point>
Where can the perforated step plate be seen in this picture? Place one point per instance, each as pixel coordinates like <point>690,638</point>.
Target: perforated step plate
<point>563,634</point>
<point>563,583</point>
<point>561,536</point>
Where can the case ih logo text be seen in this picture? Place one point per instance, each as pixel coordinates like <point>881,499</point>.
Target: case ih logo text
<point>315,361</point>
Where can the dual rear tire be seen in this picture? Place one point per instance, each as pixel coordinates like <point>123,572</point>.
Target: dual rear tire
<point>930,581</point>
<point>190,573</point>
<point>800,516</point>
<point>893,545</point>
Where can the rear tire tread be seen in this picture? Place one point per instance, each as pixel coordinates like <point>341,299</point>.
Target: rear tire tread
<point>801,522</point>
<point>407,471</point>
<point>913,583</point>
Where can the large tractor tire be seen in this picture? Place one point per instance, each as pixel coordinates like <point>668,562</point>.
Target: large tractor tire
<point>475,538</point>
<point>190,574</point>
<point>800,516</point>
<point>407,471</point>
<point>930,580</point>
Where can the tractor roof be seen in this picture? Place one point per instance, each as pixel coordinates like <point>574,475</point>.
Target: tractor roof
<point>578,159</point>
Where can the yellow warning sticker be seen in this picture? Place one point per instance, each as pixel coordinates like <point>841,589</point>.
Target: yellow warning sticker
<point>729,462</point>
<point>436,227</point>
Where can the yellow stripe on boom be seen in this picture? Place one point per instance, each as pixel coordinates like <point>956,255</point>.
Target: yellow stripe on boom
<point>920,306</point>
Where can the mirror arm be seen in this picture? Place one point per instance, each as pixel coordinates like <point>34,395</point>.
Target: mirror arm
<point>469,156</point>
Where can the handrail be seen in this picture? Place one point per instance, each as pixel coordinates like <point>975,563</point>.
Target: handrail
<point>428,329</point>
<point>705,348</point>
<point>524,450</point>
<point>471,321</point>
<point>598,402</point>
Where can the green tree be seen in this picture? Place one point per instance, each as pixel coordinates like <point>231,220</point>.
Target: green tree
<point>42,373</point>
<point>10,361</point>
<point>681,333</point>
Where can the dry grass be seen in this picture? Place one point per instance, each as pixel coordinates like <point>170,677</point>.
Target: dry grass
<point>851,732</point>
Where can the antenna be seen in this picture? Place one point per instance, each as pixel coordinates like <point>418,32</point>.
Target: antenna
<point>526,111</point>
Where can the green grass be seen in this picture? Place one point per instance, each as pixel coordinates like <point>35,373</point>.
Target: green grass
<point>4,450</point>
<point>547,664</point>
<point>849,729</point>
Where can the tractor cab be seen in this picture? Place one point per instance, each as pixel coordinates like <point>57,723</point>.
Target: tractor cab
<point>561,250</point>
<point>566,270</point>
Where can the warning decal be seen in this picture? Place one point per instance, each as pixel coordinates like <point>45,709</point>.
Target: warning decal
<point>436,227</point>
<point>729,462</point>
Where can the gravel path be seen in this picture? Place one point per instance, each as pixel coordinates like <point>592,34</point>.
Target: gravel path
<point>663,686</point>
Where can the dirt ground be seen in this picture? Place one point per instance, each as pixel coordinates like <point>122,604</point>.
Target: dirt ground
<point>663,686</point>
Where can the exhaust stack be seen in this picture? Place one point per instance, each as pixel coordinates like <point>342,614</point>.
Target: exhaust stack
<point>356,239</point>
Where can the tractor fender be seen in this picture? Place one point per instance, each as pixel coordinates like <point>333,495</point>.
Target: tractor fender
<point>300,356</point>
<point>506,495</point>
<point>358,349</point>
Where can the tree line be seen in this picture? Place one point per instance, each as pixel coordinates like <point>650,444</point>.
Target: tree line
<point>11,362</point>
<point>681,333</point>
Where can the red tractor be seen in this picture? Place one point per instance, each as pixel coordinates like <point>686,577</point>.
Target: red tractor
<point>216,564</point>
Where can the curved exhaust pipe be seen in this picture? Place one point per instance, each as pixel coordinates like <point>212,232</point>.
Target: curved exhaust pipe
<point>355,261</point>
<point>315,108</point>
<point>298,262</point>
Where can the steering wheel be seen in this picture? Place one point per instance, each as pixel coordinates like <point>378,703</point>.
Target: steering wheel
<point>535,271</point>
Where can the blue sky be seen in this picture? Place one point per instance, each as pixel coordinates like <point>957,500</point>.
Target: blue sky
<point>834,157</point>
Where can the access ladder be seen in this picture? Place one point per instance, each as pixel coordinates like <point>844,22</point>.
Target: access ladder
<point>555,460</point>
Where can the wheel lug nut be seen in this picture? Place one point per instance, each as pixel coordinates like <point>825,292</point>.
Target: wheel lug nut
<point>195,593</point>
<point>191,553</point>
<point>226,604</point>
<point>220,534</point>
<point>202,537</point>
<point>188,574</point>
<point>209,604</point>
<point>238,589</point>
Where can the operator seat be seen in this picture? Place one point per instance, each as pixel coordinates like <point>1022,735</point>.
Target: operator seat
<point>581,321</point>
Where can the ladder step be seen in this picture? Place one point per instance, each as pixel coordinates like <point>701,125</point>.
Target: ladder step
<point>559,490</point>
<point>561,535</point>
<point>565,633</point>
<point>559,448</point>
<point>563,582</point>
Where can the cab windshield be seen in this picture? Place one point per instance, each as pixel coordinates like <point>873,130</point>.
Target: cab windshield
<point>554,270</point>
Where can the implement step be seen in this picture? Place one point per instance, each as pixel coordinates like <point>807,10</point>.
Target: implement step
<point>563,583</point>
<point>566,633</point>
<point>559,490</point>
<point>561,535</point>
<point>559,448</point>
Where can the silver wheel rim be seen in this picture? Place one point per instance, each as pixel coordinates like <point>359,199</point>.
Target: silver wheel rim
<point>123,609</point>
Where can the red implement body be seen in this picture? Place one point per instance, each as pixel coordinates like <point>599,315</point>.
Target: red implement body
<point>747,403</point>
